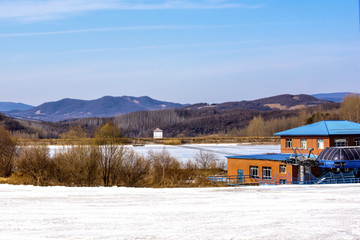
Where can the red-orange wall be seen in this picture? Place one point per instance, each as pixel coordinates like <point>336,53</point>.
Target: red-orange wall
<point>244,164</point>
<point>234,164</point>
<point>311,143</point>
<point>329,141</point>
<point>350,139</point>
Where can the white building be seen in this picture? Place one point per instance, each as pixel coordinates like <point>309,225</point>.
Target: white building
<point>158,133</point>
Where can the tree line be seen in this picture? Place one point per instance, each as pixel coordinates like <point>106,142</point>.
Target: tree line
<point>229,122</point>
<point>107,162</point>
<point>260,126</point>
<point>194,122</point>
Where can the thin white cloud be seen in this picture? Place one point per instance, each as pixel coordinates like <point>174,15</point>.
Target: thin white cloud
<point>40,10</point>
<point>32,10</point>
<point>22,57</point>
<point>113,29</point>
<point>132,28</point>
<point>170,46</point>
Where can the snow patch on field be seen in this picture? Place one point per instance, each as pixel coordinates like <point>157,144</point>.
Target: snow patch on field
<point>187,152</point>
<point>266,212</point>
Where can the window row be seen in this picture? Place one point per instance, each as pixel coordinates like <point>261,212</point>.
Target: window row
<point>266,171</point>
<point>343,142</point>
<point>340,142</point>
<point>303,143</point>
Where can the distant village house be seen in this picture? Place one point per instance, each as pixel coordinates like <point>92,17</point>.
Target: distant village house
<point>158,133</point>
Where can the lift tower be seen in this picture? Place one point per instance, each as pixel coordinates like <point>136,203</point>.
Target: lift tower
<point>303,158</point>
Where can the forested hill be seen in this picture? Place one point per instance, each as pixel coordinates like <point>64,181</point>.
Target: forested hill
<point>103,107</point>
<point>205,119</point>
<point>32,129</point>
<point>334,97</point>
<point>232,118</point>
<point>9,106</point>
<point>280,102</point>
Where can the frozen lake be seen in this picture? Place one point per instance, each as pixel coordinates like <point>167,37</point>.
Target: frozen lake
<point>186,152</point>
<point>265,212</point>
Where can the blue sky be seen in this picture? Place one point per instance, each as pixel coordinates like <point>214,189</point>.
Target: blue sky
<point>183,51</point>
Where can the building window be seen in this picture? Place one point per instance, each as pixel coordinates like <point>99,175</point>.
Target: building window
<point>320,143</point>
<point>288,143</point>
<point>266,172</point>
<point>303,143</point>
<point>282,181</point>
<point>357,141</point>
<point>282,168</point>
<point>254,171</point>
<point>341,142</point>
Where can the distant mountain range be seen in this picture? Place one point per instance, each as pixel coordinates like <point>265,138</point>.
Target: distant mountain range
<point>204,119</point>
<point>9,106</point>
<point>103,107</point>
<point>333,97</point>
<point>111,106</point>
<point>280,102</point>
<point>138,116</point>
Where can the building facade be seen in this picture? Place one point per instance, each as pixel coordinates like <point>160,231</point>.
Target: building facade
<point>261,167</point>
<point>320,135</point>
<point>158,133</point>
<point>317,136</point>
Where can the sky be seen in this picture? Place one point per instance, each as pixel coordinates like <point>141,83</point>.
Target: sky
<point>184,51</point>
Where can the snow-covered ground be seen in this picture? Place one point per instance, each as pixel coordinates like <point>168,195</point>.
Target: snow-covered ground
<point>187,152</point>
<point>266,212</point>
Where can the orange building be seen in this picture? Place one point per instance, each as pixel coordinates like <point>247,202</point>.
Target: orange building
<point>320,135</point>
<point>254,168</point>
<point>269,167</point>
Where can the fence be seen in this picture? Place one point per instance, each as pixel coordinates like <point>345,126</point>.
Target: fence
<point>233,180</point>
<point>328,178</point>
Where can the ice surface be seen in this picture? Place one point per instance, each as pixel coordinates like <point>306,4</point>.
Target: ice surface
<point>187,152</point>
<point>265,212</point>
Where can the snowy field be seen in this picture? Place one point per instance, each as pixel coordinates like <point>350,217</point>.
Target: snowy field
<point>187,152</point>
<point>266,212</point>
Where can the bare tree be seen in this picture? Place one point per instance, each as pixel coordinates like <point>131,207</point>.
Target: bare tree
<point>108,134</point>
<point>134,169</point>
<point>256,127</point>
<point>109,153</point>
<point>350,108</point>
<point>7,152</point>
<point>75,135</point>
<point>77,165</point>
<point>164,167</point>
<point>35,162</point>
<point>205,160</point>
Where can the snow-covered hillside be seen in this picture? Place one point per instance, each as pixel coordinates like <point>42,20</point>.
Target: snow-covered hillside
<point>266,212</point>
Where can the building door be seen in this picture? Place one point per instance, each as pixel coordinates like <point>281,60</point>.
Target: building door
<point>240,175</point>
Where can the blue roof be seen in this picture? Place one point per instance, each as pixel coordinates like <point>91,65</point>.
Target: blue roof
<point>270,157</point>
<point>324,128</point>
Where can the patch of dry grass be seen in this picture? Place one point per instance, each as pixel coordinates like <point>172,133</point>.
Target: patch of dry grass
<point>17,178</point>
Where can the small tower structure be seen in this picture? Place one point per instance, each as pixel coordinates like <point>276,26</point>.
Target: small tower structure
<point>158,133</point>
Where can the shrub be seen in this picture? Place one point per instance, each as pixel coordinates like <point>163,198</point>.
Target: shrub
<point>165,169</point>
<point>350,108</point>
<point>110,158</point>
<point>134,169</point>
<point>7,153</point>
<point>77,165</point>
<point>205,160</point>
<point>36,163</point>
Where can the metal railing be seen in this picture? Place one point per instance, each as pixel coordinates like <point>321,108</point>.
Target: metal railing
<point>233,180</point>
<point>238,180</point>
